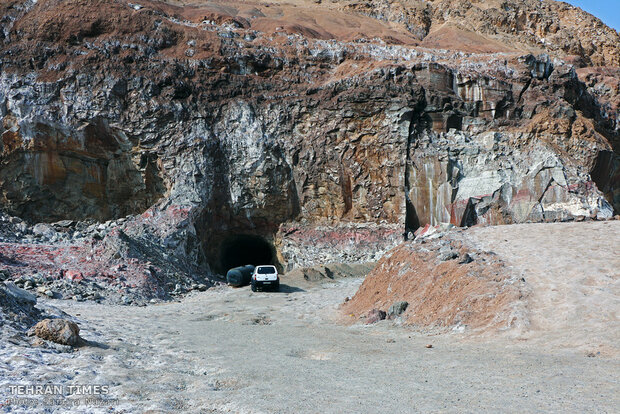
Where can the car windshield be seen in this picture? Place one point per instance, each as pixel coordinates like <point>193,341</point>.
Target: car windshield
<point>266,269</point>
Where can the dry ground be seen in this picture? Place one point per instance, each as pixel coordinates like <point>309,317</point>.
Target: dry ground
<point>573,274</point>
<point>231,350</point>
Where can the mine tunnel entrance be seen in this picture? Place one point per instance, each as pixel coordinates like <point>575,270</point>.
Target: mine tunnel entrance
<point>244,249</point>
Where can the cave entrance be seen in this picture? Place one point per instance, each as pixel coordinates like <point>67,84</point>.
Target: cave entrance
<point>244,249</point>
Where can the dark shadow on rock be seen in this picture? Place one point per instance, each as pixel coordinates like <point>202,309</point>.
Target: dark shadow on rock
<point>10,261</point>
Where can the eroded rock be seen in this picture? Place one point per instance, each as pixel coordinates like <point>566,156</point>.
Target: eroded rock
<point>60,331</point>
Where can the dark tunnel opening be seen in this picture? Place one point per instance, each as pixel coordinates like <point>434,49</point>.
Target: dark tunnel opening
<point>454,121</point>
<point>606,175</point>
<point>412,222</point>
<point>244,249</point>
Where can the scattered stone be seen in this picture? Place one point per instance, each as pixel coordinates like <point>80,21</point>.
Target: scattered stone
<point>397,309</point>
<point>74,275</point>
<point>466,259</point>
<point>4,275</point>
<point>447,253</point>
<point>432,232</point>
<point>38,342</point>
<point>43,290</point>
<point>64,223</point>
<point>429,346</point>
<point>61,331</point>
<point>120,267</point>
<point>259,320</point>
<point>41,343</point>
<point>43,230</point>
<point>375,316</point>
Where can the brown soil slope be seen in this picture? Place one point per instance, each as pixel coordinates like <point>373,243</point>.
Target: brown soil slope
<point>558,284</point>
<point>442,289</point>
<point>472,26</point>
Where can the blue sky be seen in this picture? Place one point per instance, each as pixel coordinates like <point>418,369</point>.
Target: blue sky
<point>606,10</point>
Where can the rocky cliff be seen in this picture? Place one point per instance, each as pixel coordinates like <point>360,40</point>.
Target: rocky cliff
<point>307,131</point>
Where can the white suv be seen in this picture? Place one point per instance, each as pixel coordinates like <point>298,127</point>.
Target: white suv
<point>265,277</point>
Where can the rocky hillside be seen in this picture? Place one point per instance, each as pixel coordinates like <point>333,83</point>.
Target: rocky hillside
<point>309,131</point>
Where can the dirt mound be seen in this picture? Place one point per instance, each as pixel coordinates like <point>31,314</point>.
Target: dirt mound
<point>558,284</point>
<point>447,283</point>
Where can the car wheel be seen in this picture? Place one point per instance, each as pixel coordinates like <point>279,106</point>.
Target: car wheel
<point>276,287</point>
<point>253,287</point>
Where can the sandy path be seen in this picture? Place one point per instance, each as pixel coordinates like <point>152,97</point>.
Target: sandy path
<point>573,271</point>
<point>230,350</point>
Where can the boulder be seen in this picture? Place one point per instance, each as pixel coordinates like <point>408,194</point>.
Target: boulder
<point>43,230</point>
<point>375,316</point>
<point>447,253</point>
<point>466,258</point>
<point>17,307</point>
<point>61,331</point>
<point>74,275</point>
<point>397,309</point>
<point>20,294</point>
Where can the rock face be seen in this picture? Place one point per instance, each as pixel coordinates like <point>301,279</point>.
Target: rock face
<point>213,126</point>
